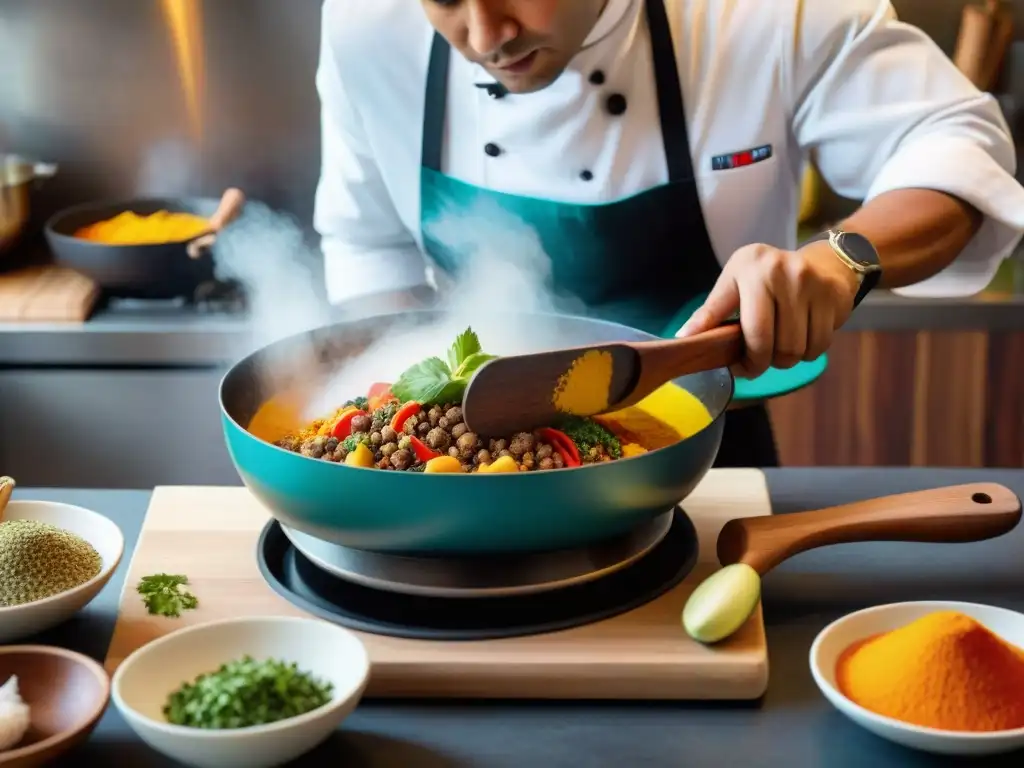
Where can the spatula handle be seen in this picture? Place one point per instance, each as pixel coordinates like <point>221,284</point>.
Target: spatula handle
<point>956,513</point>
<point>665,360</point>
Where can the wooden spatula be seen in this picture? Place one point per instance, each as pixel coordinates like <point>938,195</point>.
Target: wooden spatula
<point>6,489</point>
<point>517,393</point>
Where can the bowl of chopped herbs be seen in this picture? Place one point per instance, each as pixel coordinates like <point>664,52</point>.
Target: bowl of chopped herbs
<point>242,693</point>
<point>54,559</point>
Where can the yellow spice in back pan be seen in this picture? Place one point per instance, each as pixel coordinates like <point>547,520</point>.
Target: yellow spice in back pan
<point>583,389</point>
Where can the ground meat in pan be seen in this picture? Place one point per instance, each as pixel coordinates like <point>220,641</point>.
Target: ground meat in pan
<point>442,429</point>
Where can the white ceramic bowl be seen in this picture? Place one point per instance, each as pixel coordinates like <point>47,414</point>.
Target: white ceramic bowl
<point>147,677</point>
<point>22,621</point>
<point>840,634</point>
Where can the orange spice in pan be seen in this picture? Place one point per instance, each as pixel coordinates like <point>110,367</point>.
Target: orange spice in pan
<point>130,228</point>
<point>944,670</point>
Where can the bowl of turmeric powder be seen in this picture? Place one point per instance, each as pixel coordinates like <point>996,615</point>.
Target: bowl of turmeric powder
<point>147,248</point>
<point>941,677</point>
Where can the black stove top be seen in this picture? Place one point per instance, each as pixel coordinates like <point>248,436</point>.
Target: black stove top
<point>387,612</point>
<point>211,296</point>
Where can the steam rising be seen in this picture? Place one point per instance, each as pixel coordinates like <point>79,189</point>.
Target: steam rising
<point>508,271</point>
<point>267,253</point>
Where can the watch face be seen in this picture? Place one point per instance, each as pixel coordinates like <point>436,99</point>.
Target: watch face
<point>859,248</point>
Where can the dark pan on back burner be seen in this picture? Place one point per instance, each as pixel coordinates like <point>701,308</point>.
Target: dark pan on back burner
<point>382,612</point>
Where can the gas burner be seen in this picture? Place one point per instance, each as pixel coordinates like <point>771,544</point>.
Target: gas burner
<point>490,576</point>
<point>213,296</point>
<point>219,296</point>
<point>448,601</point>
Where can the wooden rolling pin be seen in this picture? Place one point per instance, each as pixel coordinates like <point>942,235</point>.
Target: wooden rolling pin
<point>985,34</point>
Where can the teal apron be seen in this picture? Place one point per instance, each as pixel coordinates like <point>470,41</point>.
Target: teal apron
<point>636,261</point>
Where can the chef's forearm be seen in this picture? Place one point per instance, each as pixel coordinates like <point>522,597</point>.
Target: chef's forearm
<point>917,232</point>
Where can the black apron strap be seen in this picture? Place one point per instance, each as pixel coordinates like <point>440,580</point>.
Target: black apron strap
<point>666,79</point>
<point>670,94</point>
<point>436,103</point>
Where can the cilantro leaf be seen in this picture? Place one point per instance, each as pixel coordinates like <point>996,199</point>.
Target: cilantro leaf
<point>423,382</point>
<point>164,594</point>
<point>468,367</point>
<point>433,381</point>
<point>465,345</point>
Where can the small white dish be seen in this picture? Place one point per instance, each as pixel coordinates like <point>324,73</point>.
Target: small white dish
<point>21,621</point>
<point>147,677</point>
<point>840,634</point>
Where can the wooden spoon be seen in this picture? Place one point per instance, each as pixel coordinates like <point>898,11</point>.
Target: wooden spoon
<point>231,204</point>
<point>512,394</point>
<point>6,489</point>
<point>750,547</point>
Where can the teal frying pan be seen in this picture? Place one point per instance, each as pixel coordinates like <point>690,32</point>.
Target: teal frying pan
<point>454,514</point>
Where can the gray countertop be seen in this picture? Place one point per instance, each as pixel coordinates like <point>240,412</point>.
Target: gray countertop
<point>792,726</point>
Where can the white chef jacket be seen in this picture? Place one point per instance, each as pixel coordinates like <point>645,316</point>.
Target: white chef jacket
<point>872,100</point>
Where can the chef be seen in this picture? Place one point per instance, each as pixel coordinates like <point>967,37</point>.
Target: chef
<point>656,147</point>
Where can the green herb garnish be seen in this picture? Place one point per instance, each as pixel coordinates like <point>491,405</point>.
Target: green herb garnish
<point>244,693</point>
<point>361,403</point>
<point>434,381</point>
<point>385,413</point>
<point>588,434</point>
<point>164,594</point>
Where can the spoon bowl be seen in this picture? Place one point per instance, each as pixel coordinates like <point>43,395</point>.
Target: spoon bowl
<point>750,547</point>
<point>518,392</point>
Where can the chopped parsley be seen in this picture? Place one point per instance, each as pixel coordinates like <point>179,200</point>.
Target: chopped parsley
<point>385,413</point>
<point>165,595</point>
<point>244,693</point>
<point>587,434</point>
<point>361,403</point>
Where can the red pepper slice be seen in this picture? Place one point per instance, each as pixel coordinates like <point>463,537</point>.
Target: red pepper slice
<point>563,444</point>
<point>402,415</point>
<point>422,451</point>
<point>343,426</point>
<point>379,394</point>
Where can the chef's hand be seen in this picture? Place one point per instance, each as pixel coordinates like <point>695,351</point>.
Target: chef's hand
<point>790,302</point>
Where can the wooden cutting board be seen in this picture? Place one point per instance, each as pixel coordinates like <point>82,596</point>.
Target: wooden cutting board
<point>46,293</point>
<point>210,535</point>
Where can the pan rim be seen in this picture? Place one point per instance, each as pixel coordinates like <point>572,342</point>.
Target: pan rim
<point>368,320</point>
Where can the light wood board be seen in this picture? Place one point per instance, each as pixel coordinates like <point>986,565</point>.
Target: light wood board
<point>210,534</point>
<point>46,294</point>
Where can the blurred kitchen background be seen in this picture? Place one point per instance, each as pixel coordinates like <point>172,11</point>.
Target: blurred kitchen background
<point>182,97</point>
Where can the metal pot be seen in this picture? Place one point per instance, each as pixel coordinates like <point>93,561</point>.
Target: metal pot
<point>18,177</point>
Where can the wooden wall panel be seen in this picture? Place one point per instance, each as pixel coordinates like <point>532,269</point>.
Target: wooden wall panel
<point>1004,434</point>
<point>918,399</point>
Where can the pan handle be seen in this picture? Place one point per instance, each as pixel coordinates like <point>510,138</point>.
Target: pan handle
<point>231,204</point>
<point>196,248</point>
<point>957,513</point>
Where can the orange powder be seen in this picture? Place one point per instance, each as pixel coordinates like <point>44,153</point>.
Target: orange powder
<point>130,228</point>
<point>943,671</point>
